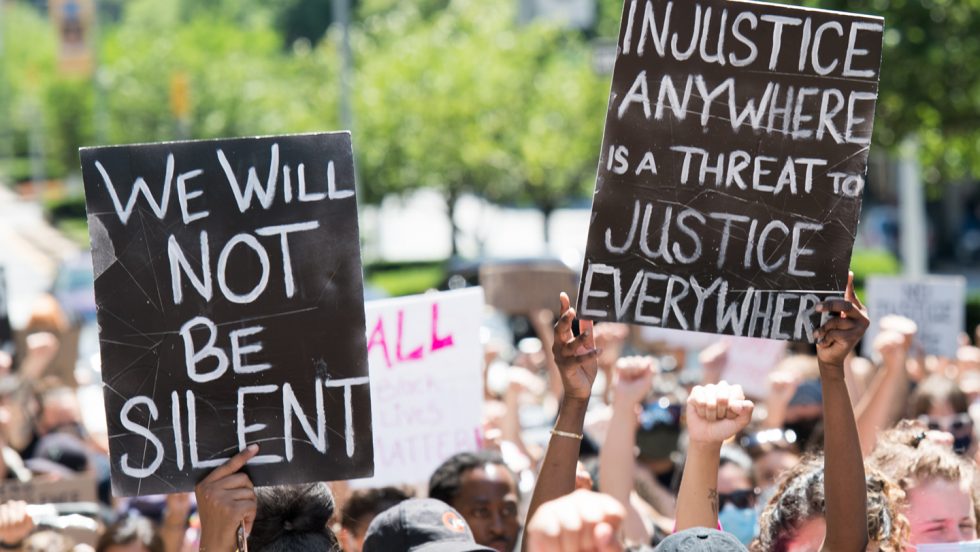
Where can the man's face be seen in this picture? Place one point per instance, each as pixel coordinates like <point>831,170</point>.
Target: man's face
<point>487,500</point>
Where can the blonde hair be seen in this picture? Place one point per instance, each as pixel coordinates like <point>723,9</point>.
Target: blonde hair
<point>905,454</point>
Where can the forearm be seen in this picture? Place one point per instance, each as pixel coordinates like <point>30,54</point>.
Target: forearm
<point>511,423</point>
<point>697,500</point>
<point>844,481</point>
<point>172,536</point>
<point>616,462</point>
<point>616,468</point>
<point>876,408</point>
<point>556,477</point>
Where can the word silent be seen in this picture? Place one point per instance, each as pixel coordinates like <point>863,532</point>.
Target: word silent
<point>139,408</point>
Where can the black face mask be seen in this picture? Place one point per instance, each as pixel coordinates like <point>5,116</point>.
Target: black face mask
<point>962,444</point>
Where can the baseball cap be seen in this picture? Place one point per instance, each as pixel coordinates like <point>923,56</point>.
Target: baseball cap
<point>420,525</point>
<point>700,539</point>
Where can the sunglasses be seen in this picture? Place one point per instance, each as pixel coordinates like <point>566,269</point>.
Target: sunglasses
<point>775,437</point>
<point>957,425</point>
<point>660,414</point>
<point>740,499</point>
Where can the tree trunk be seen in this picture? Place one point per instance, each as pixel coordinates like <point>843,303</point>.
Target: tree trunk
<point>453,230</point>
<point>547,210</point>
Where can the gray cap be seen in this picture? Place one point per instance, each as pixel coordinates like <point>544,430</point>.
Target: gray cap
<point>701,539</point>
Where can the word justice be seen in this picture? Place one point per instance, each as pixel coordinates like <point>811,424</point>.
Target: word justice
<point>770,245</point>
<point>727,40</point>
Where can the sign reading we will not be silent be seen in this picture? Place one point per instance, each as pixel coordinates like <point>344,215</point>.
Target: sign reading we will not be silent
<point>231,309</point>
<point>732,167</point>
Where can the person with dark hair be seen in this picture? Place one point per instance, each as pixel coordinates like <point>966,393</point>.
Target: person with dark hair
<point>130,534</point>
<point>361,508</point>
<point>276,519</point>
<point>293,519</point>
<point>482,488</point>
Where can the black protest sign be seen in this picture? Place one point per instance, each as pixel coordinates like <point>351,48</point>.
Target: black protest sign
<point>732,166</point>
<point>231,309</point>
<point>6,332</point>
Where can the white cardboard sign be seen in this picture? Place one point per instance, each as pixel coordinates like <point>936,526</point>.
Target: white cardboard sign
<point>749,362</point>
<point>936,304</point>
<point>426,365</point>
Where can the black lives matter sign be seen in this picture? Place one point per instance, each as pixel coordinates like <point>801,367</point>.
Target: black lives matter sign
<point>231,310</point>
<point>733,163</point>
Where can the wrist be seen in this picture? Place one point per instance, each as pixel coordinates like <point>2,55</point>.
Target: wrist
<point>831,371</point>
<point>571,403</point>
<point>213,543</point>
<point>699,446</point>
<point>624,404</point>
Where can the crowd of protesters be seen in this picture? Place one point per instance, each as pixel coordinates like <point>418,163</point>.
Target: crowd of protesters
<point>597,439</point>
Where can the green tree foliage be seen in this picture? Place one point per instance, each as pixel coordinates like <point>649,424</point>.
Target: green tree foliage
<point>463,100</point>
<point>240,82</point>
<point>930,80</point>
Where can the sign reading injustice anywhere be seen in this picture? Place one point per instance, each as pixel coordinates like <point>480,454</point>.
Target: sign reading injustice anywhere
<point>732,167</point>
<point>230,307</point>
<point>936,304</point>
<point>426,364</point>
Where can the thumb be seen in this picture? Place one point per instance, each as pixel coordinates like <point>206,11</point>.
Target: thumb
<point>850,295</point>
<point>744,410</point>
<point>587,326</point>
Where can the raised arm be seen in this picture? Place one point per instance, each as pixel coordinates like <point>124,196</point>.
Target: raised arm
<point>576,361</point>
<point>715,413</point>
<point>890,387</point>
<point>845,488</point>
<point>633,377</point>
